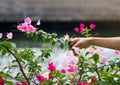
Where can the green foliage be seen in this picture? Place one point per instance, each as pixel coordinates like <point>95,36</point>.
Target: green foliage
<point>95,57</point>
<point>29,64</point>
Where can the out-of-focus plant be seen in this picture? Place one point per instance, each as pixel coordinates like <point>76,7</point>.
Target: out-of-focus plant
<point>88,68</point>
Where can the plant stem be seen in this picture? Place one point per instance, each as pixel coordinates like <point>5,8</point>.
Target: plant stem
<point>98,74</point>
<point>81,72</point>
<point>116,72</point>
<point>20,66</point>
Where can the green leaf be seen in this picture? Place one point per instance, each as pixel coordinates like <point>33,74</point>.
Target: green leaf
<point>4,51</point>
<point>94,47</point>
<point>52,41</point>
<point>112,64</point>
<point>103,83</point>
<point>13,44</point>
<point>95,58</point>
<point>86,53</point>
<point>7,44</point>
<point>5,75</point>
<point>9,82</point>
<point>118,64</point>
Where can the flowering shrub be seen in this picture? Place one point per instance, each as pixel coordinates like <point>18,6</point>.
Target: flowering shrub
<point>88,68</point>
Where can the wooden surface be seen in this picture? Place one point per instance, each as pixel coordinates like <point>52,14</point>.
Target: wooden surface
<point>60,10</point>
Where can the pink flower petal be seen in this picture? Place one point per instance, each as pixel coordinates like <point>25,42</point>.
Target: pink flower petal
<point>63,71</point>
<point>51,66</point>
<point>41,78</point>
<point>82,25</point>
<point>117,52</point>
<point>82,30</point>
<point>38,22</point>
<point>9,35</point>
<point>103,59</point>
<point>27,20</point>
<point>92,26</point>
<point>70,53</point>
<point>66,37</point>
<point>0,35</point>
<point>76,29</point>
<point>91,50</point>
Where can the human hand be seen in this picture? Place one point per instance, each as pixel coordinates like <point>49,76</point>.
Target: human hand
<point>80,42</point>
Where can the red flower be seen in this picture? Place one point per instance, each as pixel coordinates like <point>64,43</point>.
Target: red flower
<point>63,71</point>
<point>1,81</point>
<point>83,83</point>
<point>17,83</point>
<point>71,69</point>
<point>51,67</point>
<point>41,78</point>
<point>50,76</point>
<point>24,82</point>
<point>94,80</point>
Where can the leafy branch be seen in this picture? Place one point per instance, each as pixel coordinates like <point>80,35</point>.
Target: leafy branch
<point>20,66</point>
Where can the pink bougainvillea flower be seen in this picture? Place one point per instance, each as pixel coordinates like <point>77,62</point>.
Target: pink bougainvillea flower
<point>78,69</point>
<point>23,27</point>
<point>1,81</point>
<point>26,28</point>
<point>0,35</point>
<point>64,64</point>
<point>76,49</point>
<point>51,66</point>
<point>66,37</point>
<point>117,52</point>
<point>99,50</point>
<point>71,70</point>
<point>70,53</point>
<point>73,66</point>
<point>82,30</point>
<point>92,26</point>
<point>38,22</point>
<point>27,20</point>
<point>63,71</point>
<point>73,61</point>
<point>24,82</point>
<point>103,59</point>
<point>91,50</point>
<point>41,78</point>
<point>76,29</point>
<point>9,35</point>
<point>31,29</point>
<point>83,83</point>
<point>82,25</point>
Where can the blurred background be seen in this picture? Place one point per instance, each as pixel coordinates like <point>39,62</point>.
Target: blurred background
<point>61,16</point>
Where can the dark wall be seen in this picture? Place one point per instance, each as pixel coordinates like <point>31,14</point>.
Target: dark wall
<point>103,28</point>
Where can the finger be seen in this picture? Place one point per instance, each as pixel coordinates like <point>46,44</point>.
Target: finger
<point>73,41</point>
<point>77,44</point>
